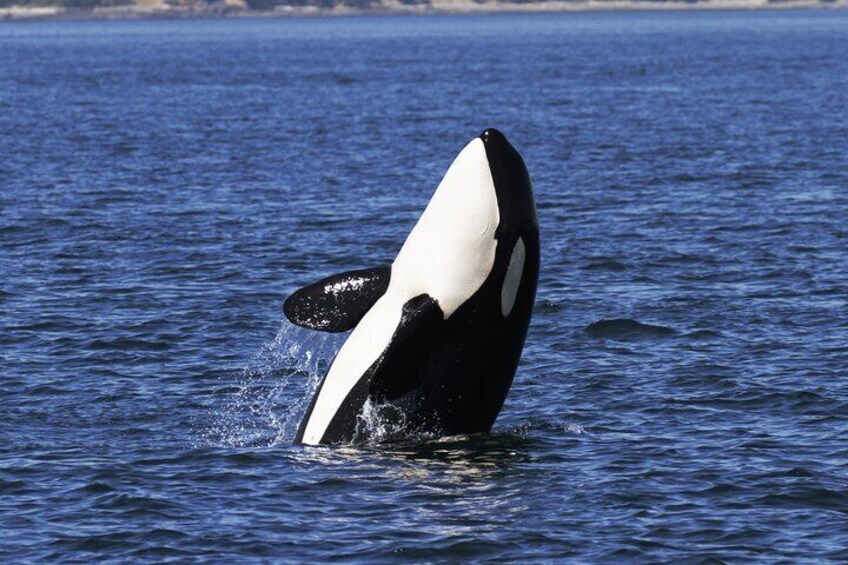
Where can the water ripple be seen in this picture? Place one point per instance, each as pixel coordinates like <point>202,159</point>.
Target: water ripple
<point>166,184</point>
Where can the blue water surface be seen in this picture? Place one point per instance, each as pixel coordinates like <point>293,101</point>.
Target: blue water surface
<point>683,396</point>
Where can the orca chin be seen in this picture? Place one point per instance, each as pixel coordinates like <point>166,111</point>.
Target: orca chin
<point>437,336</point>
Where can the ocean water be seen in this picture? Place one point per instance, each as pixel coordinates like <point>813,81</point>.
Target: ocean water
<point>164,185</point>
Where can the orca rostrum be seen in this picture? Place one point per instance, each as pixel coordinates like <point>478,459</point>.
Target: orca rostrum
<point>437,335</point>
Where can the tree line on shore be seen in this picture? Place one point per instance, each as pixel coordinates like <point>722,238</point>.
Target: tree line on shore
<point>197,4</point>
<point>264,5</point>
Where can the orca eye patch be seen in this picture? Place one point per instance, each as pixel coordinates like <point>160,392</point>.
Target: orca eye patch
<point>512,280</point>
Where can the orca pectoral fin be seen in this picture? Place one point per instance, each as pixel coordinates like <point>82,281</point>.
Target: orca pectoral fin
<point>337,303</point>
<point>410,350</point>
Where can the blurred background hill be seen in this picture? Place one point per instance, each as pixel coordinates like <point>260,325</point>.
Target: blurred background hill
<point>12,9</point>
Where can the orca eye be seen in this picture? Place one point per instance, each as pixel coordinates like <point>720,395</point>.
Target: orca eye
<point>512,280</point>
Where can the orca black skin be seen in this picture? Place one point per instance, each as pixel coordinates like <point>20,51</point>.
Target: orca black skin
<point>450,376</point>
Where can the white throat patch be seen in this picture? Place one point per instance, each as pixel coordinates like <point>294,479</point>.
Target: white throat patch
<point>448,256</point>
<point>451,251</point>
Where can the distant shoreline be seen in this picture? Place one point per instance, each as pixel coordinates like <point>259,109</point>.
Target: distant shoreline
<point>153,9</point>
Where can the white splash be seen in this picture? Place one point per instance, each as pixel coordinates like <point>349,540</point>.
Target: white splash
<point>264,405</point>
<point>379,422</point>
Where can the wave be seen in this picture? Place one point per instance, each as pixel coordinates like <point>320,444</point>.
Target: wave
<point>264,406</point>
<point>626,328</point>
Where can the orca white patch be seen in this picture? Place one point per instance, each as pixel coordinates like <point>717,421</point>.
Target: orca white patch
<point>513,277</point>
<point>451,251</point>
<point>447,256</point>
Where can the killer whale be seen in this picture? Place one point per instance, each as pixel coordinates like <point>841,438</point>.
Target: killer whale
<point>438,334</point>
